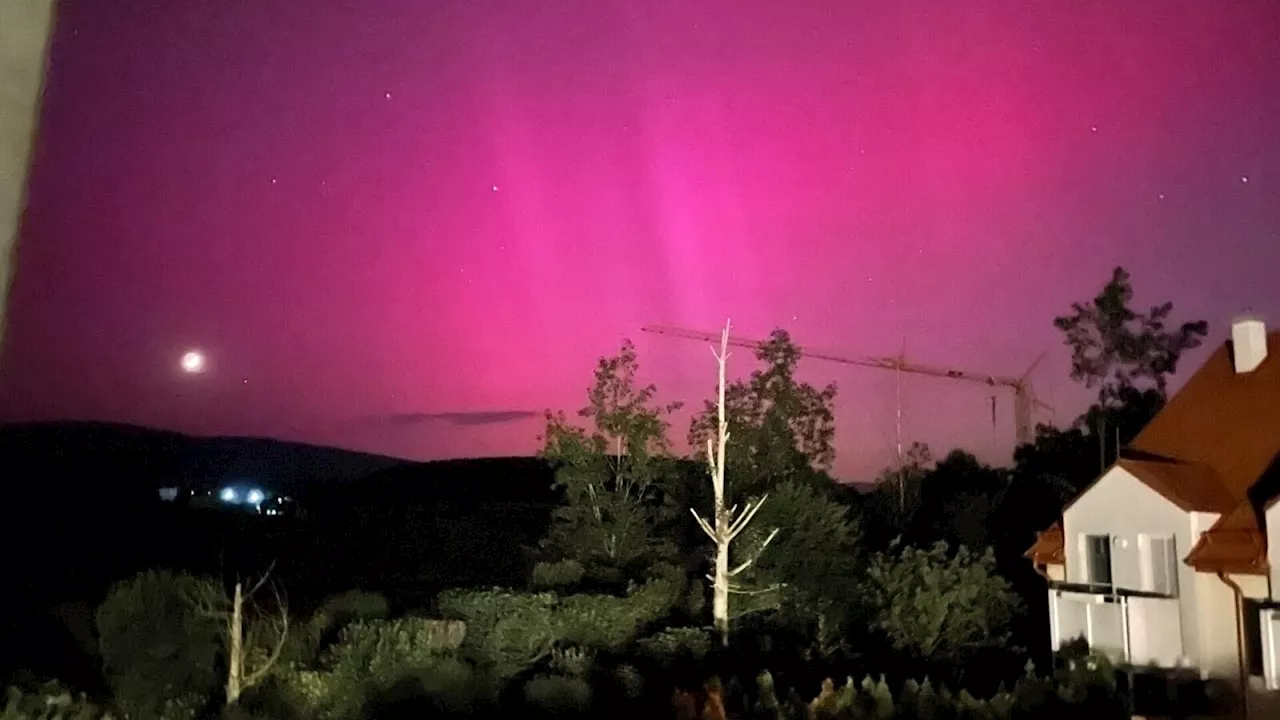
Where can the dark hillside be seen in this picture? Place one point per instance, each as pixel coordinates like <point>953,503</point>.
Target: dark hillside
<point>82,511</point>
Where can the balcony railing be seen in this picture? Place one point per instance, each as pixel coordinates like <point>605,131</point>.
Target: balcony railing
<point>1130,627</point>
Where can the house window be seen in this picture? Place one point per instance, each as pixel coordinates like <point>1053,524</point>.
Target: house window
<point>1269,632</point>
<point>1097,550</point>
<point>1159,564</point>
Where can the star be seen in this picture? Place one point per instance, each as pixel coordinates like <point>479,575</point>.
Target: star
<point>1244,179</point>
<point>494,188</point>
<point>387,95</point>
<point>1160,196</point>
<point>1093,128</point>
<point>273,181</point>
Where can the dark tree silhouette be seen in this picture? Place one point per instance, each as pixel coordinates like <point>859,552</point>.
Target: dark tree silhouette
<point>1114,348</point>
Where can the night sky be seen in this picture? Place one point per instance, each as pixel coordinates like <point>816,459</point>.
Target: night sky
<point>409,227</point>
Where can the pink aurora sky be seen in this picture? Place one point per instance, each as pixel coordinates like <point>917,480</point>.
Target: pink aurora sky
<point>403,227</point>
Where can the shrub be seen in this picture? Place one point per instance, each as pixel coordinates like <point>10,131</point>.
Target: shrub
<point>451,688</point>
<point>355,605</point>
<point>52,702</point>
<point>574,662</point>
<point>656,598</point>
<point>506,631</point>
<point>272,699</point>
<point>442,682</point>
<point>557,575</point>
<point>599,621</point>
<point>307,640</point>
<point>677,643</point>
<point>159,655</point>
<point>629,680</point>
<point>372,657</point>
<point>557,695</point>
<point>1082,694</point>
<point>386,649</point>
<point>607,622</point>
<point>938,605</point>
<point>315,691</point>
<point>510,631</point>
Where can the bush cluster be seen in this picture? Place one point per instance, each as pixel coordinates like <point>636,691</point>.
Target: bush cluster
<point>1088,692</point>
<point>51,702</point>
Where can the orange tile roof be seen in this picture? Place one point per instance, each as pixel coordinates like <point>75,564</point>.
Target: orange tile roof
<point>1049,548</point>
<point>1235,544</point>
<point>1207,448</point>
<point>1222,421</point>
<point>1189,486</point>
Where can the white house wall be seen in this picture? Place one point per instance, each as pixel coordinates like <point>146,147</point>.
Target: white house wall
<point>1218,655</point>
<point>1254,587</point>
<point>1121,506</point>
<point>1272,518</point>
<point>1151,643</point>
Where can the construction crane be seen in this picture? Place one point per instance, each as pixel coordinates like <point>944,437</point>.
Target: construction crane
<point>1024,398</point>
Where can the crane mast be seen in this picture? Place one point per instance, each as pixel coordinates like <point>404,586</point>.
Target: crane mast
<point>1024,399</point>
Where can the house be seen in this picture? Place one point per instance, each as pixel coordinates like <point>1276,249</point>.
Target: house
<point>1171,559</point>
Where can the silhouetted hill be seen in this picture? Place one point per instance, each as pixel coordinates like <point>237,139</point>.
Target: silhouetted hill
<point>135,458</point>
<point>468,482</point>
<point>81,512</point>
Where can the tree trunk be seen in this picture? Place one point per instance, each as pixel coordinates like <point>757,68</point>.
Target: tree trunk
<point>720,592</point>
<point>235,654</point>
<point>720,584</point>
<point>726,523</point>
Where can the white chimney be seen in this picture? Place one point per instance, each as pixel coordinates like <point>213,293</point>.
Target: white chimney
<point>1248,344</point>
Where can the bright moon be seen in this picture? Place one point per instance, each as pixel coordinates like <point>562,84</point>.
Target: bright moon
<point>193,362</point>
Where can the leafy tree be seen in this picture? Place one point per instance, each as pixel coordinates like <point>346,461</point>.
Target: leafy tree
<point>958,498</point>
<point>917,462</point>
<point>1114,348</point>
<point>1060,462</point>
<point>953,499</point>
<point>891,506</point>
<point>1128,357</point>
<point>811,564</point>
<point>936,605</point>
<point>159,655</point>
<point>612,473</point>
<point>782,428</point>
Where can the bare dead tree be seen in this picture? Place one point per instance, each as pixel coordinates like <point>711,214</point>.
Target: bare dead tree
<point>254,637</point>
<point>729,523</point>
